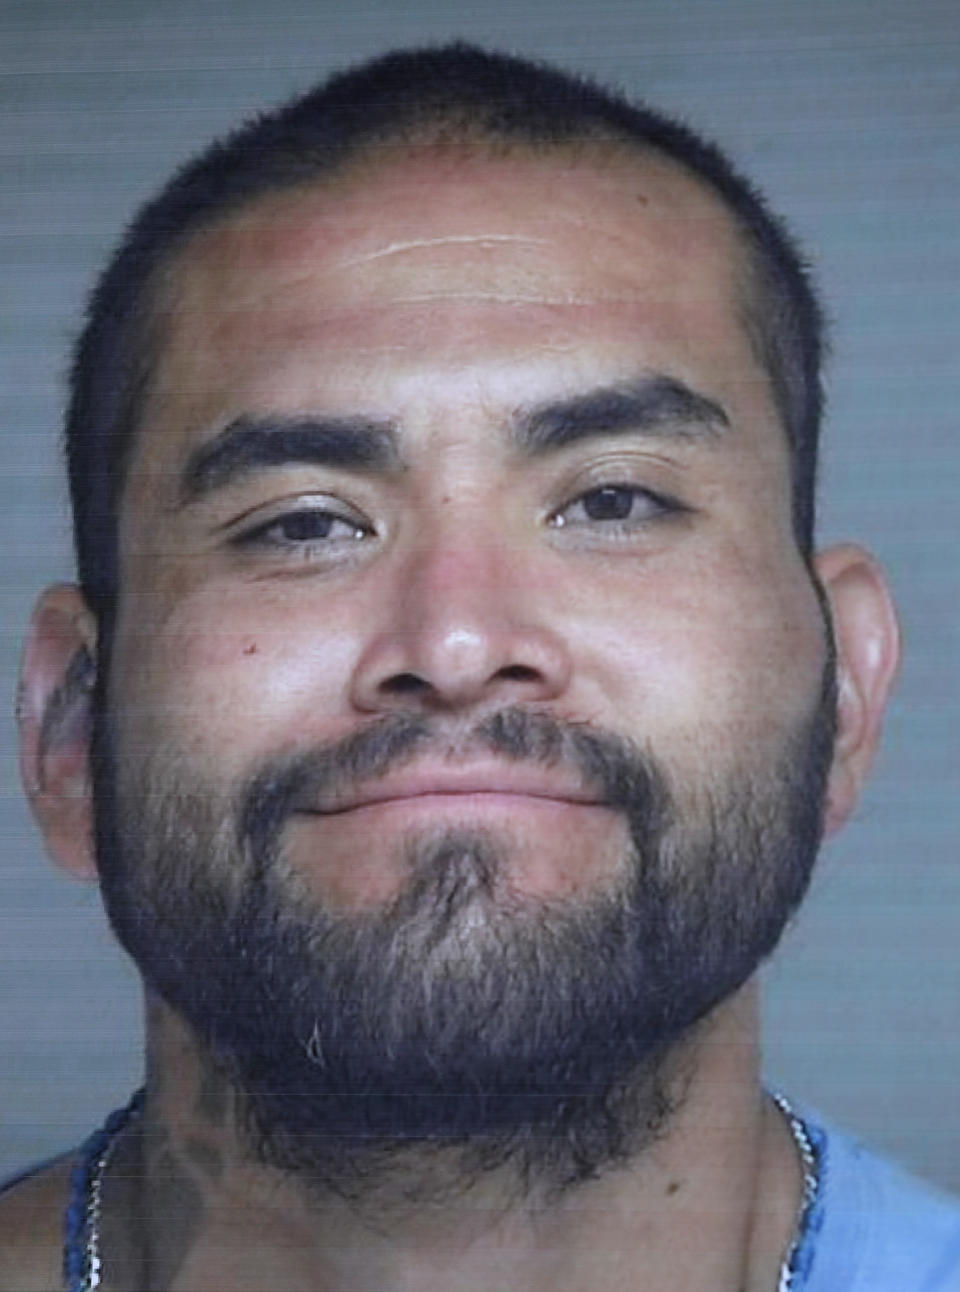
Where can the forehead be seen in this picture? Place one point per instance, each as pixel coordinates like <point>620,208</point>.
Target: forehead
<point>400,198</point>
<point>425,265</point>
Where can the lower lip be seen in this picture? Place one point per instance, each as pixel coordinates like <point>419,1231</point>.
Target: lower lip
<point>557,846</point>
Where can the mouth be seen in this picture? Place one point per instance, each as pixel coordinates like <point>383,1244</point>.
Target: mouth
<point>496,787</point>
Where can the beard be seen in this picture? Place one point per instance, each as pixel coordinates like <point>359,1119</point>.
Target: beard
<point>458,1026</point>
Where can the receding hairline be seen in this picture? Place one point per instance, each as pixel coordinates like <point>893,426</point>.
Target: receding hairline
<point>371,159</point>
<point>374,158</point>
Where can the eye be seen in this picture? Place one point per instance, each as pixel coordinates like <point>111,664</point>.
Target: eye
<point>614,505</point>
<point>304,528</point>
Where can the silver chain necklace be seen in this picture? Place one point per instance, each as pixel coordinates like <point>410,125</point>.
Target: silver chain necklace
<point>83,1263</point>
<point>796,1263</point>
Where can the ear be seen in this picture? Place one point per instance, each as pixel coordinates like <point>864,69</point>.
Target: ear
<point>54,707</point>
<point>867,639</point>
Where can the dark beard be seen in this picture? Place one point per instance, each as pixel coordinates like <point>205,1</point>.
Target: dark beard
<point>458,1025</point>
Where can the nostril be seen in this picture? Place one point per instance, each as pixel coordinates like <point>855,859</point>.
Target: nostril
<point>412,685</point>
<point>405,684</point>
<point>518,673</point>
<point>440,660</point>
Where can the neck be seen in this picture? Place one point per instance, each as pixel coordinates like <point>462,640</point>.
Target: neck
<point>709,1204</point>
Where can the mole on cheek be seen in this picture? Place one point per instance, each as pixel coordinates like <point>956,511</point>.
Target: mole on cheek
<point>251,649</point>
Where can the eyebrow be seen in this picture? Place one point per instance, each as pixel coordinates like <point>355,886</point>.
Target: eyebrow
<point>656,405</point>
<point>250,443</point>
<point>652,405</point>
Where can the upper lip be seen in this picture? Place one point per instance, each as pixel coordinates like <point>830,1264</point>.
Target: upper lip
<point>467,778</point>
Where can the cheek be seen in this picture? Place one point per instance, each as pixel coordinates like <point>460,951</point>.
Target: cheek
<point>231,674</point>
<point>714,662</point>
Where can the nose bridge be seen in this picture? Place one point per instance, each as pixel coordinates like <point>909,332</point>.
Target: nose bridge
<point>462,622</point>
<point>459,598</point>
<point>460,567</point>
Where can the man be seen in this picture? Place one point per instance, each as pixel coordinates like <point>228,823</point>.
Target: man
<point>451,707</point>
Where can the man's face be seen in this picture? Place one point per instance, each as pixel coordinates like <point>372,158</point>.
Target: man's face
<point>450,441</point>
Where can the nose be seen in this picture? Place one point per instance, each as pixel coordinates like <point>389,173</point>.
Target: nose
<point>459,628</point>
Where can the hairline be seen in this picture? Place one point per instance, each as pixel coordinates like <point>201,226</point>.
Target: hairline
<point>752,293</point>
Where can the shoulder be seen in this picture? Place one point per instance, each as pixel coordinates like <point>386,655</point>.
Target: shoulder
<point>31,1229</point>
<point>881,1228</point>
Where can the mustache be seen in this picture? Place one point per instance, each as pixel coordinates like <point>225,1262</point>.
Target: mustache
<point>622,774</point>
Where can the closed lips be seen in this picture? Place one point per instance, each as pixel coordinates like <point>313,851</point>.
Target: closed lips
<point>501,781</point>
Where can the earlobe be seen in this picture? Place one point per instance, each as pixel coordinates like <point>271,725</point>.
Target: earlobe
<point>867,639</point>
<point>54,709</point>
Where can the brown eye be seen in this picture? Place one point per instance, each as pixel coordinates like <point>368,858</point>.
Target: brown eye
<point>303,527</point>
<point>626,506</point>
<point>613,502</point>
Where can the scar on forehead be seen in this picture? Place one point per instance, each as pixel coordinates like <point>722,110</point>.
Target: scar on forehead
<point>413,244</point>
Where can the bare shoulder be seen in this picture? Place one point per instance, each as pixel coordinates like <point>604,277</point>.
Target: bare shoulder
<point>31,1230</point>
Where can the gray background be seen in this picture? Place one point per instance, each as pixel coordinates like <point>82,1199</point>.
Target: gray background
<point>847,112</point>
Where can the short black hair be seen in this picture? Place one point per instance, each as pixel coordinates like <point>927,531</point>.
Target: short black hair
<point>456,93</point>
